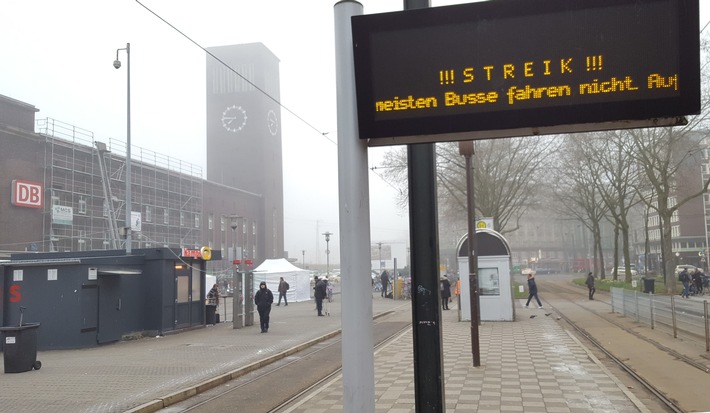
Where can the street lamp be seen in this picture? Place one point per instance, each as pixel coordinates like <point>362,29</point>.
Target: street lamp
<point>327,252</point>
<point>237,284</point>
<point>303,261</point>
<point>379,246</point>
<point>117,65</point>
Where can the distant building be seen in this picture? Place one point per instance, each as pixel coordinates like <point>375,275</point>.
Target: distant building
<point>62,189</point>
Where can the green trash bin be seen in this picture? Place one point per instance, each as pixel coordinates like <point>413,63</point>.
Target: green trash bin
<point>20,348</point>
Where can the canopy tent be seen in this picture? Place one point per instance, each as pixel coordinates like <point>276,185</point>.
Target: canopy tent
<point>298,279</point>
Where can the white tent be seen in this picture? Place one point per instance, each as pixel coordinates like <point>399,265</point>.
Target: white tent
<point>298,279</point>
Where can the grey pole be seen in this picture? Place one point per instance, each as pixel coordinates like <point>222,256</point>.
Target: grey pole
<point>117,64</point>
<point>356,318</point>
<point>129,237</point>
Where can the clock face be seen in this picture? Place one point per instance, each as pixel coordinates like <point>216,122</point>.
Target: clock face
<point>272,122</point>
<point>234,118</point>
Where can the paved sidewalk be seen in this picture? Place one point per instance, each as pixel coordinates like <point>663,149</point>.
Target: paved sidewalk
<point>529,365</point>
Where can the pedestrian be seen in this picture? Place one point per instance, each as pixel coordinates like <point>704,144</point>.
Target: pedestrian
<point>283,287</point>
<point>532,290</point>
<point>213,296</point>
<point>213,303</point>
<point>685,279</point>
<point>697,282</point>
<point>320,294</point>
<point>590,285</point>
<point>385,280</point>
<point>445,288</point>
<point>263,300</point>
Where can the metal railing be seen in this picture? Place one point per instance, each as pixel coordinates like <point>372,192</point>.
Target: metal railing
<point>681,317</point>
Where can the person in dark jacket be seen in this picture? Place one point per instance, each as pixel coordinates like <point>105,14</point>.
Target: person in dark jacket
<point>445,287</point>
<point>385,280</point>
<point>321,291</point>
<point>283,288</point>
<point>590,285</point>
<point>532,291</point>
<point>263,300</point>
<point>685,279</point>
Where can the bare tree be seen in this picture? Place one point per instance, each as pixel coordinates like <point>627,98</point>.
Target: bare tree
<point>577,195</point>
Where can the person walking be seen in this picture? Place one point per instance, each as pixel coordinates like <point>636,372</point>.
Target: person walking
<point>445,288</point>
<point>590,285</point>
<point>685,279</point>
<point>532,291</point>
<point>263,300</point>
<point>320,294</point>
<point>385,280</point>
<point>283,287</point>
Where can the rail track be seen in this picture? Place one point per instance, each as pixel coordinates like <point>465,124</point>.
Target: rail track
<point>563,294</point>
<point>285,381</point>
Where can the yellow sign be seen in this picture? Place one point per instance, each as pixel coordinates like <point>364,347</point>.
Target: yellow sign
<point>481,224</point>
<point>206,253</point>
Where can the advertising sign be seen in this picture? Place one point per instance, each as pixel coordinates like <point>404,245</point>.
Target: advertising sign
<point>27,194</point>
<point>521,67</point>
<point>62,215</point>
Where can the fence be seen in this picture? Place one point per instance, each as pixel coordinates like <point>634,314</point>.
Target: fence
<point>681,317</point>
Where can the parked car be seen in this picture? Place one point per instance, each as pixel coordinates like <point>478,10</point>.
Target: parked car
<point>691,268</point>
<point>539,270</point>
<point>621,271</point>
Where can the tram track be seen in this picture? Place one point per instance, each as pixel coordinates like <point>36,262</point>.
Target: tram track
<point>286,380</point>
<point>567,296</point>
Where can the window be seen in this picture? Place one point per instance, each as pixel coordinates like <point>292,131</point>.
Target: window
<point>221,224</point>
<point>197,220</point>
<point>253,228</point>
<point>166,216</point>
<point>488,281</point>
<point>148,213</point>
<point>105,213</point>
<point>182,218</point>
<point>210,221</point>
<point>82,207</point>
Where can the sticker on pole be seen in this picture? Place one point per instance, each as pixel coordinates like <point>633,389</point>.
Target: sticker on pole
<point>10,340</point>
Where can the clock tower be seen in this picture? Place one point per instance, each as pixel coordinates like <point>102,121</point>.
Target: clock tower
<point>244,130</point>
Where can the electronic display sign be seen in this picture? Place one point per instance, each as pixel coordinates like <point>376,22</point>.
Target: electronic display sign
<point>521,67</point>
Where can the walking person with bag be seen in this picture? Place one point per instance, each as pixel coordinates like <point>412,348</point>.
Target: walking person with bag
<point>320,294</point>
<point>283,288</point>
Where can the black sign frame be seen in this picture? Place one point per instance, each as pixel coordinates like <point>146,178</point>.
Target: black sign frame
<point>422,65</point>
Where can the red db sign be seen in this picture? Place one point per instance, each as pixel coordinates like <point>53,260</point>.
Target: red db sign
<point>27,194</point>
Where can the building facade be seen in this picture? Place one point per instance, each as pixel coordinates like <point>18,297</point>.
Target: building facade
<point>65,190</point>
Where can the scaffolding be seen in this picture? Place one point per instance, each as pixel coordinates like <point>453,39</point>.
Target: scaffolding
<point>85,181</point>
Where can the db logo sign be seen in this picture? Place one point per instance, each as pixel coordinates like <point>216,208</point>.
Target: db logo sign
<point>27,194</point>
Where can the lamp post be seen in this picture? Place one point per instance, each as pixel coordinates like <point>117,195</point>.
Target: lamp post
<point>327,252</point>
<point>238,317</point>
<point>379,246</point>
<point>117,65</point>
<point>303,260</point>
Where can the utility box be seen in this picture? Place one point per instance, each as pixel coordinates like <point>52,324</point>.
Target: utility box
<point>495,286</point>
